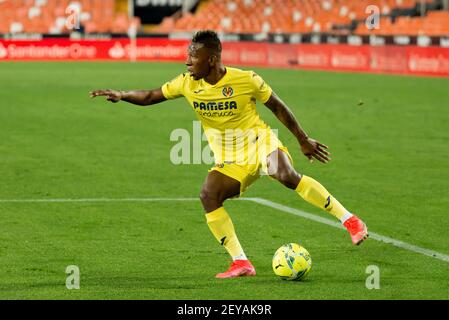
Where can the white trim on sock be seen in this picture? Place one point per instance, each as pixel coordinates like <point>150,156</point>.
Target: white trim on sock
<point>345,217</point>
<point>240,257</point>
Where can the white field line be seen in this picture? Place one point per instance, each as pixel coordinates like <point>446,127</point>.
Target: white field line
<point>372,235</point>
<point>261,201</point>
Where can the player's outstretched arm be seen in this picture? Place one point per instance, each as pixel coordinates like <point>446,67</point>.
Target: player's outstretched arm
<point>139,97</point>
<point>309,147</point>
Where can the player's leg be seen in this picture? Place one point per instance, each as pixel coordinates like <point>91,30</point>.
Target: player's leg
<point>216,189</point>
<point>280,168</point>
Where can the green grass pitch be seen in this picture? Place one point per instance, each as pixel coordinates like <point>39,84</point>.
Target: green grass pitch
<point>388,137</point>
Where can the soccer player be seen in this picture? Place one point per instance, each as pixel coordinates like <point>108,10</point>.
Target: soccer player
<point>244,146</point>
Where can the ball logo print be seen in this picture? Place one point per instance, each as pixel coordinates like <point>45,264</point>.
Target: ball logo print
<point>291,262</point>
<point>228,91</point>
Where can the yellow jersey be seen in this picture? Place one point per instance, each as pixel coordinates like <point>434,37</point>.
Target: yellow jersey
<point>226,110</point>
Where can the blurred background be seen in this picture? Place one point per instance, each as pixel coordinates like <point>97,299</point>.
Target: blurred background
<point>397,17</point>
<point>253,24</point>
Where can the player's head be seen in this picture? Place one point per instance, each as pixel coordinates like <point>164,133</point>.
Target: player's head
<point>204,54</point>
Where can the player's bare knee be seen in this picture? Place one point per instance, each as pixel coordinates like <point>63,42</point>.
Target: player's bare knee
<point>204,195</point>
<point>209,199</point>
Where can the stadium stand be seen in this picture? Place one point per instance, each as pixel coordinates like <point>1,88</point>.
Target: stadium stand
<point>308,16</point>
<point>398,17</point>
<point>435,23</point>
<point>50,16</point>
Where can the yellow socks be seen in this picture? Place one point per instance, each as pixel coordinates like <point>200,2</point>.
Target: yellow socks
<point>222,228</point>
<point>309,189</point>
<point>313,192</point>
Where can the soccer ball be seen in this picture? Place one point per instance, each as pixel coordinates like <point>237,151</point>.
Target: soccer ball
<point>292,262</point>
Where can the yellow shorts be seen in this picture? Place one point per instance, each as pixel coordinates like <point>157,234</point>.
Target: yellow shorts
<point>247,173</point>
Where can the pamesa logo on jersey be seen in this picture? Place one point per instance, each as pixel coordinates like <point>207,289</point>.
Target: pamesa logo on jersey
<point>228,91</point>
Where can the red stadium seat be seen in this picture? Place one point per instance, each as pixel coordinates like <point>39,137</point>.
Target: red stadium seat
<point>95,16</point>
<point>289,16</point>
<point>238,16</point>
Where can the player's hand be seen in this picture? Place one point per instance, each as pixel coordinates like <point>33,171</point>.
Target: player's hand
<point>314,149</point>
<point>111,95</point>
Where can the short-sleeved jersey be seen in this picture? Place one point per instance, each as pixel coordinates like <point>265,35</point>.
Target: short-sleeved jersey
<point>224,108</point>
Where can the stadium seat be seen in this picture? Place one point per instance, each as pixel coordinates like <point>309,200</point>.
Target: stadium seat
<point>46,16</point>
<point>236,16</point>
<point>435,23</point>
<point>304,16</point>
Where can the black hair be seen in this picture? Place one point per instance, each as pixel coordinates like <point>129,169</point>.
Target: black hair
<point>209,39</point>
